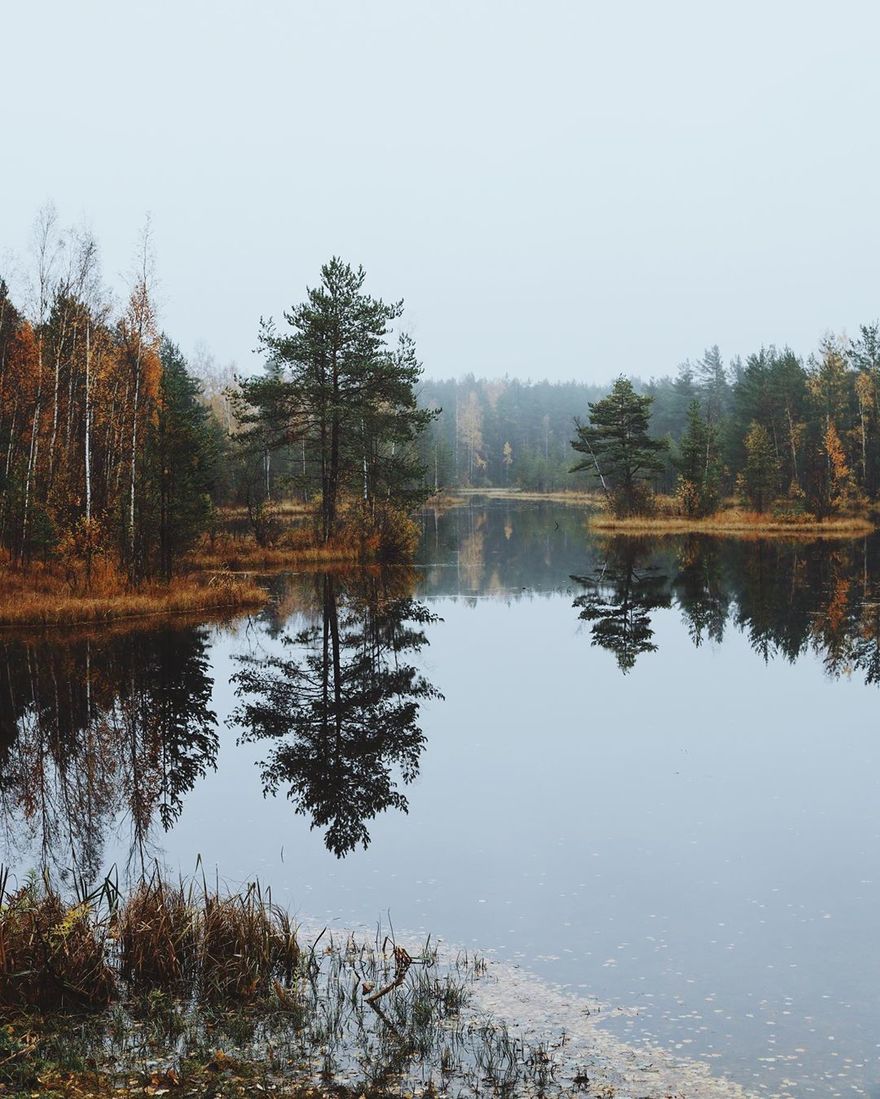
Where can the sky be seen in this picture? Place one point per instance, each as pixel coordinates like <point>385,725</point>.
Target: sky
<point>557,190</point>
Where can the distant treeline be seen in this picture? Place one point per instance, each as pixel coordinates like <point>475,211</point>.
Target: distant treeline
<point>813,425</point>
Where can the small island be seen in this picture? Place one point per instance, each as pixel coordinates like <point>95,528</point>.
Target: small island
<point>123,494</point>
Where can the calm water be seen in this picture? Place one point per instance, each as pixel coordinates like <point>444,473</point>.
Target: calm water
<point>646,771</point>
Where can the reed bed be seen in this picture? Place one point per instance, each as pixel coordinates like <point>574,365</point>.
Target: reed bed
<point>42,596</point>
<point>175,938</point>
<point>239,552</point>
<point>53,956</point>
<point>735,521</point>
<point>180,986</point>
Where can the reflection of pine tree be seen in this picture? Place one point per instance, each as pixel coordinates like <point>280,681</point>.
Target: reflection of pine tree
<point>344,711</point>
<point>620,599</point>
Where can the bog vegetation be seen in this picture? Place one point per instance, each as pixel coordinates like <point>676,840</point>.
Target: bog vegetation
<point>182,988</point>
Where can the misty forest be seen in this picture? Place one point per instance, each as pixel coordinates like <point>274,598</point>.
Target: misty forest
<point>118,456</point>
<point>582,675</point>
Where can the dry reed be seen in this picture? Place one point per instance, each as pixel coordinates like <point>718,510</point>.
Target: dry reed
<point>41,596</point>
<point>735,521</point>
<point>58,957</point>
<point>247,944</point>
<point>53,956</point>
<point>158,936</point>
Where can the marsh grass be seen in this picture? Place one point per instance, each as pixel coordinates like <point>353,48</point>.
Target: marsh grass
<point>53,956</point>
<point>182,985</point>
<point>233,551</point>
<point>248,946</point>
<point>730,519</point>
<point>44,595</point>
<point>158,936</point>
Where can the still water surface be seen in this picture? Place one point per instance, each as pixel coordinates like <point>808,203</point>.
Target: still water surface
<point>645,771</point>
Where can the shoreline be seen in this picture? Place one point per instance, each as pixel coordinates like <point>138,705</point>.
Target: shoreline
<point>554,1040</point>
<point>732,522</point>
<point>29,601</point>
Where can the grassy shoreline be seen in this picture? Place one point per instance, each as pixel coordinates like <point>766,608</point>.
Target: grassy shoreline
<point>216,576</point>
<point>732,520</point>
<point>42,598</point>
<point>225,552</point>
<point>736,523</point>
<point>182,988</point>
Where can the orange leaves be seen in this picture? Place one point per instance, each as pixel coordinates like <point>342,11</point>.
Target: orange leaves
<point>23,359</point>
<point>836,454</point>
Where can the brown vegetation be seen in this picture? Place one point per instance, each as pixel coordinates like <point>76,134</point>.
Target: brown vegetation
<point>53,956</point>
<point>579,499</point>
<point>60,957</point>
<point>48,595</point>
<point>731,519</point>
<point>384,535</point>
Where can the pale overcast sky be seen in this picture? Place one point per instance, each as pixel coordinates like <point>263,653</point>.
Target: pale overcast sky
<point>557,189</point>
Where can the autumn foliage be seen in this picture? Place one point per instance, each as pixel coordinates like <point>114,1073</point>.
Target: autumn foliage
<point>105,449</point>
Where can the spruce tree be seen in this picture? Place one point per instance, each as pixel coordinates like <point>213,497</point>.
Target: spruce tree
<point>759,480</point>
<point>698,466</point>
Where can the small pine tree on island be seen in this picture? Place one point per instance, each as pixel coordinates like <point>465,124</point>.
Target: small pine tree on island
<point>618,450</point>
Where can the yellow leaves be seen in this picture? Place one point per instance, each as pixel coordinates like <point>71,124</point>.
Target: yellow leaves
<point>161,1083</point>
<point>865,390</point>
<point>836,454</point>
<point>70,920</point>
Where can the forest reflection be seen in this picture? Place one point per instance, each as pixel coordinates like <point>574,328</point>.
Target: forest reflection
<point>788,597</point>
<point>341,710</point>
<point>104,735</point>
<point>97,729</point>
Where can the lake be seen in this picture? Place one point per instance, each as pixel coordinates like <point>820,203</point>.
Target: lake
<point>644,770</point>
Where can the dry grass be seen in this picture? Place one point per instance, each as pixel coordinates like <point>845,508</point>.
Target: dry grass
<point>59,957</point>
<point>386,534</point>
<point>247,944</point>
<point>52,956</point>
<point>158,935</point>
<point>44,596</point>
<point>577,499</point>
<point>732,520</point>
<point>295,547</point>
<point>443,500</point>
<point>292,508</point>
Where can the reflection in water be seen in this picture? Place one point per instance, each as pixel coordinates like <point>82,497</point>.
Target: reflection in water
<point>686,893</point>
<point>619,599</point>
<point>93,729</point>
<point>789,598</point>
<point>342,711</point>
